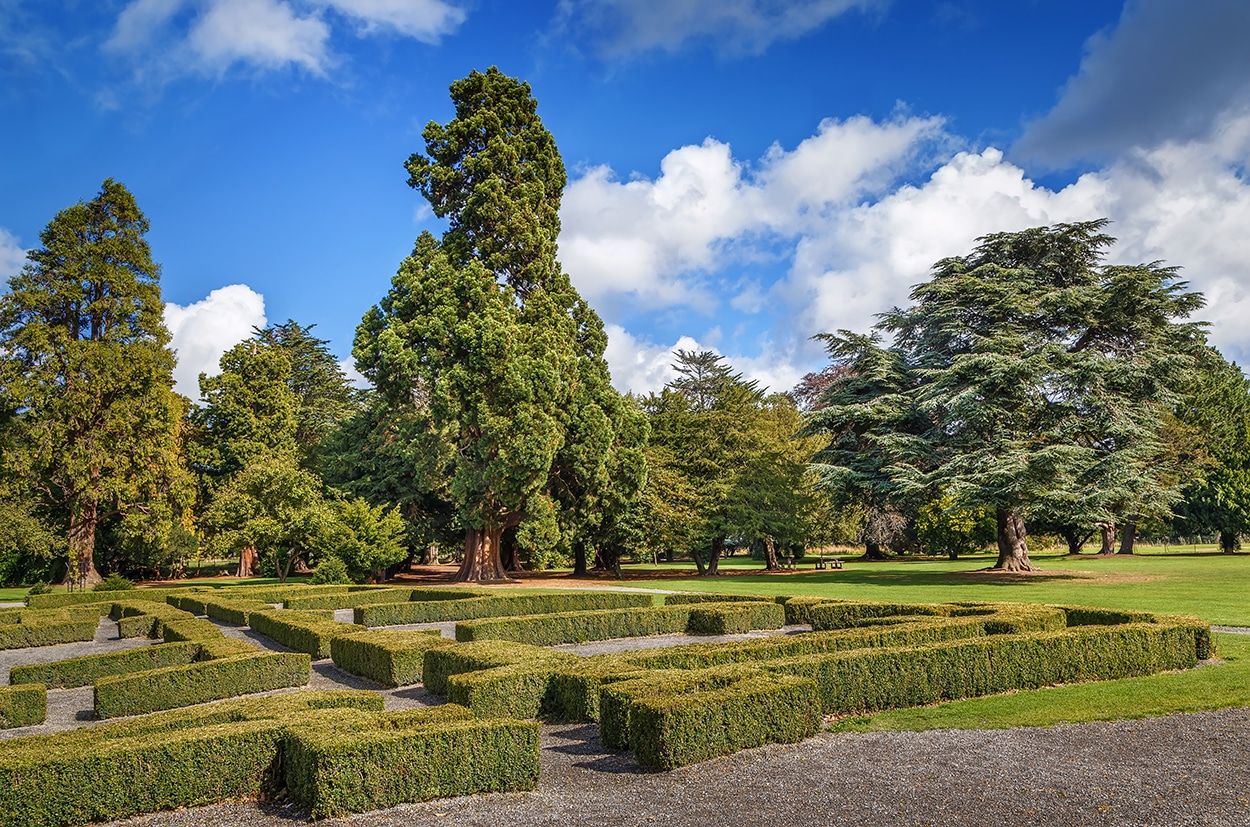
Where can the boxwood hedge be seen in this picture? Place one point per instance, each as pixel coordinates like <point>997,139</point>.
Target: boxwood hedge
<point>55,600</point>
<point>302,631</point>
<point>423,609</point>
<point>391,658</point>
<point>25,705</point>
<point>80,671</point>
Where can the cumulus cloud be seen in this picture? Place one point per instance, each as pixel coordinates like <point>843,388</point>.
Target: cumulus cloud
<point>1166,71</point>
<point>12,256</point>
<point>618,28</point>
<point>166,38</point>
<point>202,331</point>
<point>857,235</point>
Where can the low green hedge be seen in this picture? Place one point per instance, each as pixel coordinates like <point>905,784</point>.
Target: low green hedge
<point>25,635</point>
<point>80,671</point>
<point>197,683</point>
<point>425,610</point>
<point>576,627</point>
<point>55,600</point>
<point>391,658</point>
<point>349,600</point>
<point>445,661</point>
<point>25,705</point>
<point>300,630</point>
<point>672,722</point>
<point>423,755</point>
<point>144,618</point>
<point>175,631</point>
<point>236,612</point>
<point>713,597</point>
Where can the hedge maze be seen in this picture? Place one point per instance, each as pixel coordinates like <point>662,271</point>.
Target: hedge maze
<point>338,752</point>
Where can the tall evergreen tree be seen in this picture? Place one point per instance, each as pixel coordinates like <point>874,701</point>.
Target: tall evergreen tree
<point>86,374</point>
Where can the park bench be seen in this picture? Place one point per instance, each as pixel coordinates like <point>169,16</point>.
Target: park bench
<point>831,563</point>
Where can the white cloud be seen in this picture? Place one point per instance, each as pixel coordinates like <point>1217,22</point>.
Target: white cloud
<point>857,236</point>
<point>202,331</point>
<point>167,38</point>
<point>617,28</point>
<point>354,377</point>
<point>1166,71</point>
<point>12,256</point>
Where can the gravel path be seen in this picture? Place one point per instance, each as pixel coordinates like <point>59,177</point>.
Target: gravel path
<point>1165,772</point>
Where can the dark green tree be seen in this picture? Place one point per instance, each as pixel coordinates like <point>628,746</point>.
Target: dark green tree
<point>86,374</point>
<point>1044,378</point>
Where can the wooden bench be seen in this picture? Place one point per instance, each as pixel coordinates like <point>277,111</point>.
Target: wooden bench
<point>832,562</point>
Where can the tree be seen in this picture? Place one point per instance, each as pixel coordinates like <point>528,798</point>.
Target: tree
<point>1039,376</point>
<point>487,328</point>
<point>86,374</point>
<point>27,542</point>
<point>366,538</point>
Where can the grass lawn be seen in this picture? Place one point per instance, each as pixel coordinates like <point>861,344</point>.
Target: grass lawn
<point>1211,585</point>
<point>1216,686</point>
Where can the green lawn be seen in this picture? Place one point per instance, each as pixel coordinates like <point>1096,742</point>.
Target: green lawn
<point>1211,585</point>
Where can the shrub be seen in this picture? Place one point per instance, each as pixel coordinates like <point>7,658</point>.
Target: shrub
<point>113,583</point>
<point>57,600</point>
<point>25,705</point>
<point>332,570</point>
<point>237,612</point>
<point>391,658</point>
<point>301,631</point>
<point>145,619</point>
<point>349,600</point>
<point>40,588</point>
<point>424,610</point>
<point>575,627</point>
<point>335,772</point>
<point>25,635</point>
<point>173,631</point>
<point>443,662</point>
<point>197,683</point>
<point>80,671</point>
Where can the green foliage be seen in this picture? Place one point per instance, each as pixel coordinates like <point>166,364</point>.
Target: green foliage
<point>54,600</point>
<point>942,527</point>
<point>366,538</point>
<point>348,600</point>
<point>80,671</point>
<point>28,544</point>
<point>197,683</point>
<point>671,723</point>
<point>331,569</point>
<point>249,412</point>
<point>25,705</point>
<point>113,583</point>
<point>91,424</point>
<point>301,630</point>
<point>49,633</point>
<point>576,627</point>
<point>425,610</point>
<point>391,658</point>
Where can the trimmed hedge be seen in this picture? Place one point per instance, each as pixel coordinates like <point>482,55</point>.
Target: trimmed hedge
<point>196,683</point>
<point>301,631</point>
<point>80,671</point>
<point>349,600</point>
<point>575,627</point>
<point>205,755</point>
<point>421,755</point>
<point>236,612</point>
<point>174,631</point>
<point>425,610</point>
<point>22,635</point>
<point>56,600</point>
<point>145,619</point>
<point>672,722</point>
<point>391,658</point>
<point>25,705</point>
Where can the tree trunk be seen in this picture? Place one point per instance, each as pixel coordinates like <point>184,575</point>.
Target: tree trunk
<point>1129,535</point>
<point>509,554</point>
<point>770,556</point>
<point>81,573</point>
<point>579,558</point>
<point>698,561</point>
<point>1074,538</point>
<point>1107,530</point>
<point>1229,542</point>
<point>668,555</point>
<point>430,556</point>
<point>1013,550</point>
<point>873,551</point>
<point>713,563</point>
<point>248,559</point>
<point>482,563</point>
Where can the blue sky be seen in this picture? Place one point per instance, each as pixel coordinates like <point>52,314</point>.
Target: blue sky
<point>743,173</point>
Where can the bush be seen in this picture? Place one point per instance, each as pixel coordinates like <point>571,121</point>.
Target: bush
<point>576,627</point>
<point>389,658</point>
<point>25,635</point>
<point>113,583</point>
<point>57,600</point>
<point>40,588</point>
<point>674,722</point>
<point>25,705</point>
<point>301,631</point>
<point>197,683</point>
<point>237,612</point>
<point>349,600</point>
<point>80,671</point>
<point>138,618</point>
<point>335,772</point>
<point>424,610</point>
<point>330,571</point>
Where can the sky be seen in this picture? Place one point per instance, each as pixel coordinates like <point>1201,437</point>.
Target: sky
<point>743,174</point>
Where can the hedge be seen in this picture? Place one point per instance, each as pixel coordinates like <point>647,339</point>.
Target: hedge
<point>442,663</point>
<point>391,658</point>
<point>174,631</point>
<point>212,753</point>
<point>416,758</point>
<point>425,610</point>
<point>349,600</point>
<point>301,631</point>
<point>196,683</point>
<point>575,627</point>
<point>236,612</point>
<point>25,705</point>
<point>24,635</point>
<point>672,722</point>
<point>145,619</point>
<point>80,671</point>
<point>56,600</point>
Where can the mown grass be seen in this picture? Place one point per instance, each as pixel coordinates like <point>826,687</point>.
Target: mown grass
<point>1217,686</point>
<point>1212,586</point>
